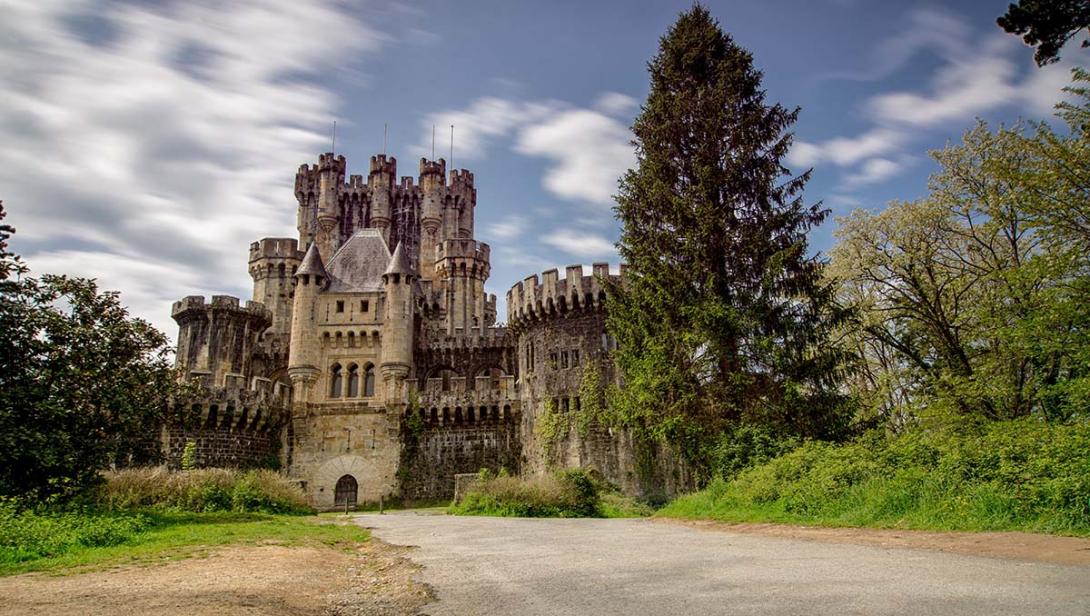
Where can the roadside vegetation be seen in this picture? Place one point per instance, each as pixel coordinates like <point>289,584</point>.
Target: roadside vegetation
<point>150,515</point>
<point>1021,474</point>
<point>572,493</point>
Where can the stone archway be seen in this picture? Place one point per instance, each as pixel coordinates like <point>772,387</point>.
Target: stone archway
<point>325,481</point>
<point>345,492</point>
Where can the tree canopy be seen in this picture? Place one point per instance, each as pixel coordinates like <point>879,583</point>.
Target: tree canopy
<point>724,315</point>
<point>1047,25</point>
<point>82,384</point>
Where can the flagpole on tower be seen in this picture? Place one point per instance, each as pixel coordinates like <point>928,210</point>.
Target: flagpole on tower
<point>385,131</point>
<point>452,146</point>
<point>333,145</point>
<point>433,142</point>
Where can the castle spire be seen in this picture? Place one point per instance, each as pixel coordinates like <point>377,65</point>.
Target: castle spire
<point>399,262</point>
<point>312,263</point>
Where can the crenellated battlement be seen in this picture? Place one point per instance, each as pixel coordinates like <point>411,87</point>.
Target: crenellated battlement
<point>473,340</point>
<point>535,298</point>
<point>332,162</point>
<point>275,248</point>
<point>381,163</point>
<point>433,167</point>
<point>461,176</point>
<point>463,248</point>
<point>193,305</point>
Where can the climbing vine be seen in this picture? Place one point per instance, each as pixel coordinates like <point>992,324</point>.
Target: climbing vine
<point>592,408</point>
<point>552,426</point>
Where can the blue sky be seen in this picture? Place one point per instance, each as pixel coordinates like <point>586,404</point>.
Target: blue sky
<point>146,144</point>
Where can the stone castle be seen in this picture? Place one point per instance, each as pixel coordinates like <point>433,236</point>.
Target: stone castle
<point>369,363</point>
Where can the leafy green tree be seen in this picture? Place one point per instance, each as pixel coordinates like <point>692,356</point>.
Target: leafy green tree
<point>82,384</point>
<point>971,301</point>
<point>724,316</point>
<point>1047,25</point>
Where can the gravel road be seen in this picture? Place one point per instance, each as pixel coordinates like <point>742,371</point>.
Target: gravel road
<point>563,567</point>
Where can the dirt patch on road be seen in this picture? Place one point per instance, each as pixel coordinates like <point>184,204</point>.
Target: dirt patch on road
<point>1008,545</point>
<point>375,579</point>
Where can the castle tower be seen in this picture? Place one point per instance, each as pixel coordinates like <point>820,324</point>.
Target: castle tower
<point>382,180</point>
<point>397,335</point>
<point>463,201</point>
<point>310,279</point>
<point>431,216</point>
<point>330,179</point>
<point>273,261</point>
<point>216,341</point>
<point>462,267</point>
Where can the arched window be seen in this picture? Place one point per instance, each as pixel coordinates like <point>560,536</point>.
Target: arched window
<point>353,381</point>
<point>345,492</point>
<point>335,378</point>
<point>369,380</point>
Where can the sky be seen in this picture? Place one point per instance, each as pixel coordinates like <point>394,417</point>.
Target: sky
<point>146,144</point>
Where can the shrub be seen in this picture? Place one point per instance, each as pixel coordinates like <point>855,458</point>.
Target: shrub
<point>202,490</point>
<point>567,494</point>
<point>1020,474</point>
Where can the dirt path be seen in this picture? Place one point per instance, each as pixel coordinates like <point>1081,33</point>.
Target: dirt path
<point>251,580</point>
<point>575,567</point>
<point>1026,547</point>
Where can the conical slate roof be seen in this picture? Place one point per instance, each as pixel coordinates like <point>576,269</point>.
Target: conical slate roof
<point>312,263</point>
<point>399,263</point>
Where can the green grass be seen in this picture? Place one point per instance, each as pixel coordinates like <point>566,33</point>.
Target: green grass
<point>1017,475</point>
<point>155,537</point>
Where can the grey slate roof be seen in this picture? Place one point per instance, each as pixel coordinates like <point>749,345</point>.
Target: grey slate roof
<point>312,263</point>
<point>358,264</point>
<point>399,263</point>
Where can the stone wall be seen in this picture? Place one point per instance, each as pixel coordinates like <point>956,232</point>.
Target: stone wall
<point>431,458</point>
<point>328,442</point>
<point>215,447</point>
<point>560,334</point>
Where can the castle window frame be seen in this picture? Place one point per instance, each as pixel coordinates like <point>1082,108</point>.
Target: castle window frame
<point>369,380</point>
<point>336,379</point>
<point>553,360</point>
<point>340,305</point>
<point>574,357</point>
<point>364,305</point>
<point>353,381</point>
<point>564,359</point>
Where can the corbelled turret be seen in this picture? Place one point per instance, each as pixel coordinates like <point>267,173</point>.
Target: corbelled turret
<point>397,335</point>
<point>310,279</point>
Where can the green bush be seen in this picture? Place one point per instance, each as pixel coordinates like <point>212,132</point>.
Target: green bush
<point>1013,475</point>
<point>571,493</point>
<point>28,534</point>
<point>202,490</point>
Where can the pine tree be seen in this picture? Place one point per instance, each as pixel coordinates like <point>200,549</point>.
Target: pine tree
<point>724,316</point>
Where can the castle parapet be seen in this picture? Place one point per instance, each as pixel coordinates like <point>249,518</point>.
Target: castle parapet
<point>535,298</point>
<point>462,248</point>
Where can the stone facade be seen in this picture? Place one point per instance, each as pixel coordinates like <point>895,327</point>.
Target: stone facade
<point>369,361</point>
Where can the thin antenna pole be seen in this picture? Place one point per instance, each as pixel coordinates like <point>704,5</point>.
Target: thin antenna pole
<point>333,145</point>
<point>452,146</point>
<point>433,142</point>
<point>385,132</point>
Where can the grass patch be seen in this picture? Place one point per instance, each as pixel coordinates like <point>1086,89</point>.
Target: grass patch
<point>150,537</point>
<point>1015,475</point>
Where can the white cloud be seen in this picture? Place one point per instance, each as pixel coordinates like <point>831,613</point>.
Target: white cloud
<point>846,150</point>
<point>975,77</point>
<point>873,171</point>
<point>475,127</point>
<point>160,139</point>
<point>590,151</point>
<point>615,103</point>
<point>581,244</point>
<point>506,229</point>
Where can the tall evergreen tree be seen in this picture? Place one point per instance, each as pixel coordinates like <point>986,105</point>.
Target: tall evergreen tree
<point>724,316</point>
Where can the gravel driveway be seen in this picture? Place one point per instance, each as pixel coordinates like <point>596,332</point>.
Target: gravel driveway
<point>529,567</point>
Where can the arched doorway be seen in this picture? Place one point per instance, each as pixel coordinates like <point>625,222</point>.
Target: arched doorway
<point>345,492</point>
